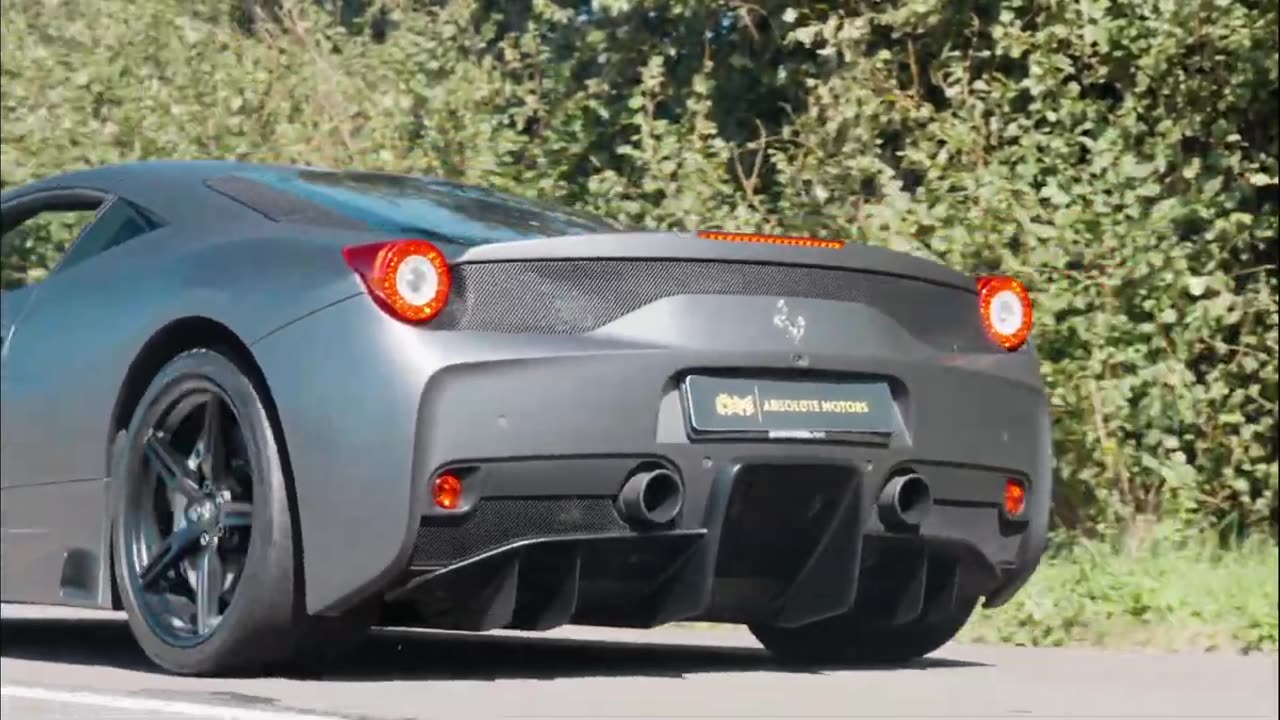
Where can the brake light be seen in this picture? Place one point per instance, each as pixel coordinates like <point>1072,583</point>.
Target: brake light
<point>770,239</point>
<point>409,278</point>
<point>1005,308</point>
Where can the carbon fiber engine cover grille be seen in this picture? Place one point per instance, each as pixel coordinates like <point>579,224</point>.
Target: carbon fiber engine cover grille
<point>577,296</point>
<point>499,521</point>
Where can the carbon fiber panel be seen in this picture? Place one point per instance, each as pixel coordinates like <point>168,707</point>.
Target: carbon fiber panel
<point>499,521</point>
<point>577,296</point>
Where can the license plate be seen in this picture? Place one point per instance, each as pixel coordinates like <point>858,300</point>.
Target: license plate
<point>784,408</point>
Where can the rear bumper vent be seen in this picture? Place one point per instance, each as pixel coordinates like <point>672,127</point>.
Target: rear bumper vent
<point>500,521</point>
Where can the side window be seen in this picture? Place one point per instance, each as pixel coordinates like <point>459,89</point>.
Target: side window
<point>30,251</point>
<point>117,223</point>
<point>55,239</point>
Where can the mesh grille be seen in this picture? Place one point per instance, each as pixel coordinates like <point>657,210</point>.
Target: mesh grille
<point>576,296</point>
<point>498,521</point>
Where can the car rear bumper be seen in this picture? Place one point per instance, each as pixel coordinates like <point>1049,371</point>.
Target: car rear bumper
<point>769,535</point>
<point>545,430</point>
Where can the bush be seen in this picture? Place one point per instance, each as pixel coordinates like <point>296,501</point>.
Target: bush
<point>1119,156</point>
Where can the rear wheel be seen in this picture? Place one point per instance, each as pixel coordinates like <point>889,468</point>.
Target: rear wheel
<point>203,539</point>
<point>851,638</point>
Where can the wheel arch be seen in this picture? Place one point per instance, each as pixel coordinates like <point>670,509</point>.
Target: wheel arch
<point>170,341</point>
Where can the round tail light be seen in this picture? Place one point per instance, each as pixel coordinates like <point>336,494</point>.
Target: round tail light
<point>1005,307</point>
<point>408,278</point>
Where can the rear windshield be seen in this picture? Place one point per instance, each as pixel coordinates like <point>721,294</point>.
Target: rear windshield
<point>430,207</point>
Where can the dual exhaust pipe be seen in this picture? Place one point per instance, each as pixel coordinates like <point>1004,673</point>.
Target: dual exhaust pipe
<point>654,496</point>
<point>651,496</point>
<point>904,502</point>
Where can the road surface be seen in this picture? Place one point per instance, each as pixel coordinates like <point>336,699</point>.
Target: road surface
<point>76,664</point>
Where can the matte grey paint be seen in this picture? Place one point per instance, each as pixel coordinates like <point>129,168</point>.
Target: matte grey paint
<point>370,407</point>
<point>494,396</point>
<point>43,526</point>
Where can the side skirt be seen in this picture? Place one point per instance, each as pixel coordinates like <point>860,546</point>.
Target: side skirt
<point>55,544</point>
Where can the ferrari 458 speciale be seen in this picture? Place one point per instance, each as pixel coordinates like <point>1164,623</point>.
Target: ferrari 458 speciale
<point>262,408</point>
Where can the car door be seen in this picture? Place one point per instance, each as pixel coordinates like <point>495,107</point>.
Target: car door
<point>11,304</point>
<point>54,502</point>
<point>40,231</point>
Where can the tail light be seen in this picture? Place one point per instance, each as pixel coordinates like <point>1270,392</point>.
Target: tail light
<point>770,239</point>
<point>1005,308</point>
<point>409,278</point>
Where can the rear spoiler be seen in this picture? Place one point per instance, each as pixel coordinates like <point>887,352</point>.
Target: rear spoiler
<point>693,246</point>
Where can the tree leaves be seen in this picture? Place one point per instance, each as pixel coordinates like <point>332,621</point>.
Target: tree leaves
<point>1121,158</point>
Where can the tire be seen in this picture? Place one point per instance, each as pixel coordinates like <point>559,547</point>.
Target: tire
<point>260,620</point>
<point>848,639</point>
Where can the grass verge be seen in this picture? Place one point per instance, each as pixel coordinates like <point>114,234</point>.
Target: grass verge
<point>1165,594</point>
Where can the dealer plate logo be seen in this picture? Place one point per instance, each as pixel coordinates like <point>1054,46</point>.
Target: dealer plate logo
<point>727,404</point>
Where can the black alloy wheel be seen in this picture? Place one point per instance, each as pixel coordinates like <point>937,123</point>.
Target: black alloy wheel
<point>203,538</point>
<point>189,531</point>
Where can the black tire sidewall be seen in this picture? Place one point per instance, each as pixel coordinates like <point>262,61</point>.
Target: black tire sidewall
<point>260,623</point>
<point>848,639</point>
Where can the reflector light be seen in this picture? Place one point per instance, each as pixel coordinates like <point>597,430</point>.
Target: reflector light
<point>1005,307</point>
<point>408,278</point>
<point>446,492</point>
<point>770,239</point>
<point>1015,497</point>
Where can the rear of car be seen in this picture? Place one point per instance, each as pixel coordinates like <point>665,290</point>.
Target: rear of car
<point>527,417</point>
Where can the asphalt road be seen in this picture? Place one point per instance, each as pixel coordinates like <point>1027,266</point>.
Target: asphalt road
<point>74,664</point>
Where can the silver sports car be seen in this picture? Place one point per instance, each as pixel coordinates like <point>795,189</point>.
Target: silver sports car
<point>262,408</point>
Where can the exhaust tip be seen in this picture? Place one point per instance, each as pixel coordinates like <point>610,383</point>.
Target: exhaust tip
<point>651,497</point>
<point>905,501</point>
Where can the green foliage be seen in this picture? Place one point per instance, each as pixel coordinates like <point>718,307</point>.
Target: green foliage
<point>1120,156</point>
<point>1173,592</point>
<point>32,249</point>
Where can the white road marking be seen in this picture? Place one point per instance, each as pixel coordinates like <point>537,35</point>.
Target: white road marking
<point>165,708</point>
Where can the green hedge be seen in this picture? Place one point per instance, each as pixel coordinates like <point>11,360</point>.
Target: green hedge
<point>1120,156</point>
